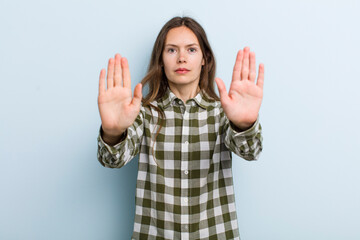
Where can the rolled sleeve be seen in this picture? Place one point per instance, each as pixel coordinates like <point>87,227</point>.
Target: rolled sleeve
<point>120,154</point>
<point>246,144</point>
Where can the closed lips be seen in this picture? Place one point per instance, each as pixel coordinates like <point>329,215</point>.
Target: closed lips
<point>182,70</point>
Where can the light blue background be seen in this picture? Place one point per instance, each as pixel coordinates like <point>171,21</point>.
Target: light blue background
<point>306,182</point>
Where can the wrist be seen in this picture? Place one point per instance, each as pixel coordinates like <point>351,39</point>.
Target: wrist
<point>240,127</point>
<point>112,138</point>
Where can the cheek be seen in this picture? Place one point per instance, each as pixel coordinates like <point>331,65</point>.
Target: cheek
<point>167,67</point>
<point>199,60</point>
<point>167,61</point>
<point>199,63</point>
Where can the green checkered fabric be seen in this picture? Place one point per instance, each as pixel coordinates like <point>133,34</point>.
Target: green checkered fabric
<point>185,183</point>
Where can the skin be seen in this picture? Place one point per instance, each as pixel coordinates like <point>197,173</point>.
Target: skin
<point>242,104</point>
<point>182,50</point>
<point>118,109</point>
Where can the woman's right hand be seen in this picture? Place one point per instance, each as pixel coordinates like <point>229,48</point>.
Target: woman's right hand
<point>118,109</point>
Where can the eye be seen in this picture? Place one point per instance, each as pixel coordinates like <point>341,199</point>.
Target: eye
<point>192,50</point>
<point>171,50</point>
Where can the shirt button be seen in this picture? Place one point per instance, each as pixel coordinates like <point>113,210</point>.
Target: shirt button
<point>186,172</point>
<point>186,143</point>
<point>186,200</point>
<point>186,227</point>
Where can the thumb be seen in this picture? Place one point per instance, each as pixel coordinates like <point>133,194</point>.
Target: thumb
<point>224,97</point>
<point>137,95</point>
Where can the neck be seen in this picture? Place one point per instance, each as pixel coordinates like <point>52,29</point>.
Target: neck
<point>184,92</point>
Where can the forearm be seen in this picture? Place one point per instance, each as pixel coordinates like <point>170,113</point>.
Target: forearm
<point>111,139</point>
<point>115,152</point>
<point>242,126</point>
<point>246,144</point>
<point>118,155</point>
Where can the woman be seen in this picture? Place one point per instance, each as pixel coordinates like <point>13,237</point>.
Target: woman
<point>182,132</point>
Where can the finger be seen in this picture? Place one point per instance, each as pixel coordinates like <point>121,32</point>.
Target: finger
<point>224,97</point>
<point>260,79</point>
<point>117,74</point>
<point>110,74</point>
<point>126,73</point>
<point>136,101</point>
<point>102,81</point>
<point>252,74</point>
<point>237,66</point>
<point>245,66</point>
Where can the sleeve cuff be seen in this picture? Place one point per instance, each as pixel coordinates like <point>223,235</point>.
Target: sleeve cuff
<point>248,131</point>
<point>115,147</point>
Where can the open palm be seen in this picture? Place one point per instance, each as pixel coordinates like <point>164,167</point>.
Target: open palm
<point>118,109</point>
<point>242,104</point>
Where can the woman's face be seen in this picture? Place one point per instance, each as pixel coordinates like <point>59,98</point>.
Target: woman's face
<point>182,58</point>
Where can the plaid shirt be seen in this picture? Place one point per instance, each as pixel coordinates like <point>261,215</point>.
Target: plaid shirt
<point>185,184</point>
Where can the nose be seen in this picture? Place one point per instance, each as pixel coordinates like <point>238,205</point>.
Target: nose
<point>181,57</point>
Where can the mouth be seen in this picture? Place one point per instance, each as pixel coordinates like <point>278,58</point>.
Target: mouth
<point>182,70</point>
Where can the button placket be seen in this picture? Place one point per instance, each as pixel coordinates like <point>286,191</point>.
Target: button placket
<point>185,198</point>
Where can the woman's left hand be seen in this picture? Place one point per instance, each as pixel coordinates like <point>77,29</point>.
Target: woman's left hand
<point>242,104</point>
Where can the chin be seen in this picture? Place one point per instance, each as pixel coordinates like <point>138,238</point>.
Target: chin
<point>181,82</point>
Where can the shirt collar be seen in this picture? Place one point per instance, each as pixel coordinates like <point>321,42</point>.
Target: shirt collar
<point>201,99</point>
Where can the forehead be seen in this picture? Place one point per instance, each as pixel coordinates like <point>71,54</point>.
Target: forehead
<point>181,36</point>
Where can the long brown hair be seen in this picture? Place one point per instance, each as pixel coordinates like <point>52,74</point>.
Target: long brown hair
<point>156,78</point>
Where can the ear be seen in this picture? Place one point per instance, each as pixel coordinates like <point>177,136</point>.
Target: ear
<point>203,62</point>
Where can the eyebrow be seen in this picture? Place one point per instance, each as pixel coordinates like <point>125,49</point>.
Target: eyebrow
<point>188,45</point>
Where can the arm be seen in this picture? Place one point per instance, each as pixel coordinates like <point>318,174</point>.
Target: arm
<point>128,146</point>
<point>118,111</point>
<point>241,106</point>
<point>246,144</point>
